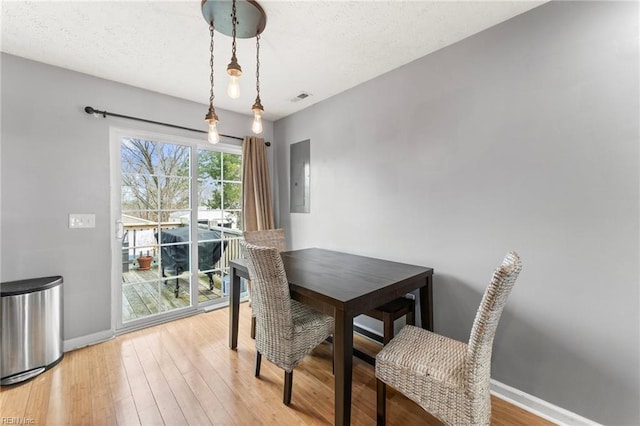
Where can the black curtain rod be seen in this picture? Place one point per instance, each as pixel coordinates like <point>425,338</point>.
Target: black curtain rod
<point>91,110</point>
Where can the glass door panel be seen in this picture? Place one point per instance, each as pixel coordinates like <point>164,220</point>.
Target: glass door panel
<point>219,218</point>
<point>178,222</point>
<point>155,215</point>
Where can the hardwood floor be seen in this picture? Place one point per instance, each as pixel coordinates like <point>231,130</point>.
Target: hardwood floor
<point>183,373</point>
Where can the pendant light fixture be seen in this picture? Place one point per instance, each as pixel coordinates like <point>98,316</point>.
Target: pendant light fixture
<point>212,118</point>
<point>233,69</point>
<point>257,107</point>
<point>238,19</point>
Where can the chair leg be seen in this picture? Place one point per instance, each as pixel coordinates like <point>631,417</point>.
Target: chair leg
<point>381,398</point>
<point>411,316</point>
<point>253,328</point>
<point>387,324</point>
<point>288,384</point>
<point>258,362</point>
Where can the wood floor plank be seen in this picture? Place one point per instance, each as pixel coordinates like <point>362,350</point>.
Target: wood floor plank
<point>149,297</point>
<point>250,398</point>
<point>81,373</point>
<point>303,400</point>
<point>185,398</point>
<point>165,399</point>
<point>205,396</point>
<point>119,386</point>
<point>234,407</point>
<point>102,408</point>
<point>59,404</point>
<point>238,372</point>
<point>14,403</point>
<point>138,306</point>
<point>146,406</point>
<point>38,403</point>
<point>183,373</point>
<point>127,309</point>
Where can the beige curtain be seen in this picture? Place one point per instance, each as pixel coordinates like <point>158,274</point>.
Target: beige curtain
<point>256,187</point>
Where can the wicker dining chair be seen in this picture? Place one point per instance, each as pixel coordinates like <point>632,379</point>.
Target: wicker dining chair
<point>286,330</point>
<point>448,378</point>
<point>265,238</point>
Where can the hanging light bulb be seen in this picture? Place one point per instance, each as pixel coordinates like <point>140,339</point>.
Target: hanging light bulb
<point>257,124</point>
<point>233,90</point>
<point>257,107</point>
<point>212,118</point>
<point>233,69</point>
<point>258,110</point>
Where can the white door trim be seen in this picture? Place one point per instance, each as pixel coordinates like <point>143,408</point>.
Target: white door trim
<point>115,136</point>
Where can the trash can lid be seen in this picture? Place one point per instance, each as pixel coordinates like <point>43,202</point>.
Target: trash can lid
<point>14,288</point>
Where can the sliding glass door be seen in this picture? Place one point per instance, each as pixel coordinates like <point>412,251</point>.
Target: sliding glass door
<point>177,223</point>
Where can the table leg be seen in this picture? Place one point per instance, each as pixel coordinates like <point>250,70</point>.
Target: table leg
<point>234,307</point>
<point>426,304</point>
<point>343,359</point>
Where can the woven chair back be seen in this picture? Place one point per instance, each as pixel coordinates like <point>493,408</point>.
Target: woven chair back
<point>484,327</point>
<point>267,238</point>
<point>270,295</point>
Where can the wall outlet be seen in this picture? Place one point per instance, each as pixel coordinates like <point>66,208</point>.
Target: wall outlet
<point>82,220</point>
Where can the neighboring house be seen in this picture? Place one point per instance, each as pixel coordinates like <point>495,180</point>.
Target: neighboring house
<point>208,218</point>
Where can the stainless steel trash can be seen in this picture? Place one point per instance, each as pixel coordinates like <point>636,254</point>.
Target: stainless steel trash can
<point>31,312</point>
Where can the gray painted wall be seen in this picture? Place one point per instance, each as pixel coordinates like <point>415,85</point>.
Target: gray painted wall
<point>523,137</point>
<point>55,161</point>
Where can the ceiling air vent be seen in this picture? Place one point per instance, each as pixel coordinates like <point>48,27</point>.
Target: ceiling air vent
<point>301,96</point>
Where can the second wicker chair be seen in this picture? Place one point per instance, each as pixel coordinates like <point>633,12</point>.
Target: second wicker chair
<point>286,330</point>
<point>448,378</point>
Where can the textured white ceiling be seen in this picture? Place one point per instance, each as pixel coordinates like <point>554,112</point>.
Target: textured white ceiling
<point>320,47</point>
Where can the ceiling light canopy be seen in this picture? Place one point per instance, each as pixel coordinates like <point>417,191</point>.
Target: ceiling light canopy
<point>237,19</point>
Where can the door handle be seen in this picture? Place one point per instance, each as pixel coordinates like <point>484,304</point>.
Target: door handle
<point>119,230</point>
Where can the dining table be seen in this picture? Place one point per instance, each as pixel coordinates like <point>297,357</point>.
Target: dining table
<point>343,285</point>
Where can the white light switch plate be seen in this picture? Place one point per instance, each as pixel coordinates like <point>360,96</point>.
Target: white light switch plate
<point>82,220</point>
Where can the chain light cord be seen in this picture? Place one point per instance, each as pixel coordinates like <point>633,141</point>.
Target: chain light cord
<point>258,64</point>
<point>211,96</point>
<point>257,107</point>
<point>233,26</point>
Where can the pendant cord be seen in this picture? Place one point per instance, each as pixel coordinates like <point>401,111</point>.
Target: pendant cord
<point>258,64</point>
<point>211,96</point>
<point>234,22</point>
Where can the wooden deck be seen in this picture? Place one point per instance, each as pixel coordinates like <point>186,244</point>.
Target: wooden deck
<point>143,294</point>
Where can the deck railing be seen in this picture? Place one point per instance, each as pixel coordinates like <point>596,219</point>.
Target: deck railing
<point>232,250</point>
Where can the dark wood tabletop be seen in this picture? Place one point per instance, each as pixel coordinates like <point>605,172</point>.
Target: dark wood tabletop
<point>343,285</point>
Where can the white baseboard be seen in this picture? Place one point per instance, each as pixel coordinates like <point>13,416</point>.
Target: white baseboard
<point>539,407</point>
<point>91,339</point>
